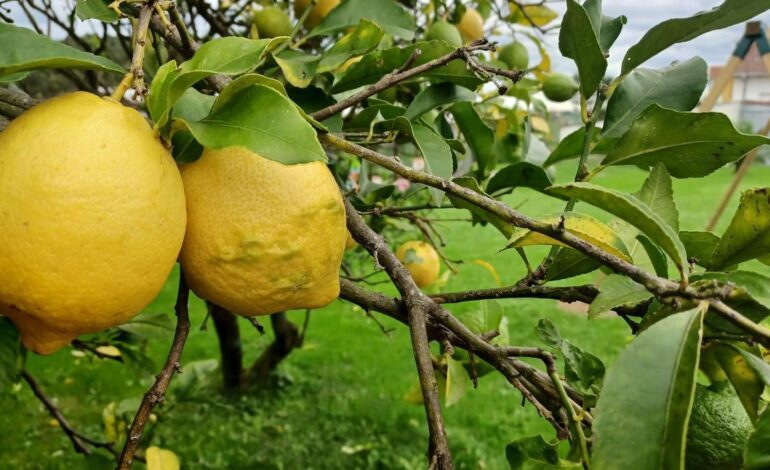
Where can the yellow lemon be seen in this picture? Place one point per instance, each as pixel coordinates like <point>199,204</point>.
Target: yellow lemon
<point>421,260</point>
<point>318,13</point>
<point>471,25</point>
<point>92,216</point>
<point>262,237</point>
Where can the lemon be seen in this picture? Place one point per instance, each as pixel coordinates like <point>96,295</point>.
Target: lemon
<point>318,13</point>
<point>718,429</point>
<point>272,22</point>
<point>443,31</point>
<point>471,25</point>
<point>559,87</point>
<point>421,260</point>
<point>92,216</point>
<point>515,55</point>
<point>262,237</point>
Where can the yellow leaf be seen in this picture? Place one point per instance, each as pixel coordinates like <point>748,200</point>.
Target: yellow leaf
<point>491,269</point>
<point>528,15</point>
<point>161,459</point>
<point>539,125</point>
<point>582,226</point>
<point>110,351</point>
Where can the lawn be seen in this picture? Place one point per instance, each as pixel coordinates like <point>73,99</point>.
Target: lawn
<point>338,402</point>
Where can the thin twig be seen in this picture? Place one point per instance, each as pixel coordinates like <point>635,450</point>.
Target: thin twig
<point>157,392</point>
<point>79,441</point>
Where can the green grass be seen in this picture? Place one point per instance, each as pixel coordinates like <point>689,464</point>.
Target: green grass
<point>338,402</point>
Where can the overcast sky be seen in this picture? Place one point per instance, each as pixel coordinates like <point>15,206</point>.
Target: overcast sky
<point>714,47</point>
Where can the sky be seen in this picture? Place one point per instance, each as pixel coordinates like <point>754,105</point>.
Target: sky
<point>714,47</point>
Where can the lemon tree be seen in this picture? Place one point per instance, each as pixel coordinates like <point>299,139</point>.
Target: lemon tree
<point>288,155</point>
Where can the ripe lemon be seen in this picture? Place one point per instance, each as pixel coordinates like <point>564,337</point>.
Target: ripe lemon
<point>421,260</point>
<point>262,237</point>
<point>471,25</point>
<point>272,22</point>
<point>318,13</point>
<point>559,87</point>
<point>515,55</point>
<point>443,31</point>
<point>92,216</point>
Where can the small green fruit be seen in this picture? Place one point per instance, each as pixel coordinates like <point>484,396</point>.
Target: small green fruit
<point>272,22</point>
<point>515,55</point>
<point>559,87</point>
<point>443,31</point>
<point>389,94</point>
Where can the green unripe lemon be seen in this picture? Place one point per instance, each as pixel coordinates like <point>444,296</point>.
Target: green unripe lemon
<point>272,22</point>
<point>515,55</point>
<point>718,430</point>
<point>443,31</point>
<point>559,87</point>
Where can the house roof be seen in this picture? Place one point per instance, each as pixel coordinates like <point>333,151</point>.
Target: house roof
<point>752,66</point>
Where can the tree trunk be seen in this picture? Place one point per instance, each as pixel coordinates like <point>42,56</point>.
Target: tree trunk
<point>229,336</point>
<point>287,338</point>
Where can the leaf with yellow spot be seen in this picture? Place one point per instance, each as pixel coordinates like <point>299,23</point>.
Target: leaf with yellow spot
<point>748,235</point>
<point>582,226</point>
<point>161,459</point>
<point>542,69</point>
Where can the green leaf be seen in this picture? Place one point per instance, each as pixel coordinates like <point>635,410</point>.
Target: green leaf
<point>376,64</point>
<point>436,153</point>
<point>363,39</point>
<point>688,144</point>
<point>617,291</point>
<point>570,263</point>
<point>582,226</point>
<point>570,147</point>
<point>193,106</point>
<point>578,41</point>
<point>647,395</point>
<point>519,174</point>
<point>262,120</point>
<point>311,99</point>
<point>655,254</point>
<point>227,56</point>
<point>699,245</point>
<point>535,453</point>
<point>479,214</point>
<point>678,86</point>
<point>298,68</point>
<point>95,9</point>
<point>760,366</point>
<point>457,381</point>
<point>10,353</point>
<point>480,138</point>
<point>748,235</point>
<point>582,369</point>
<point>387,14</point>
<point>757,453</point>
<point>677,30</point>
<point>632,211</point>
<point>658,194</point>
<point>610,31</point>
<point>25,50</point>
<point>436,95</point>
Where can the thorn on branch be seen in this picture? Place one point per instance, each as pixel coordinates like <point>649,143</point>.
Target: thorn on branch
<point>256,324</point>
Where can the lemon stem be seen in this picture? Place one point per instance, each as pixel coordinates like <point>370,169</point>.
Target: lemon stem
<point>135,75</point>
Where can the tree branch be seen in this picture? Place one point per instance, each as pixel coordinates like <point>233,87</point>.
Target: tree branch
<point>661,287</point>
<point>417,306</point>
<point>157,392</point>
